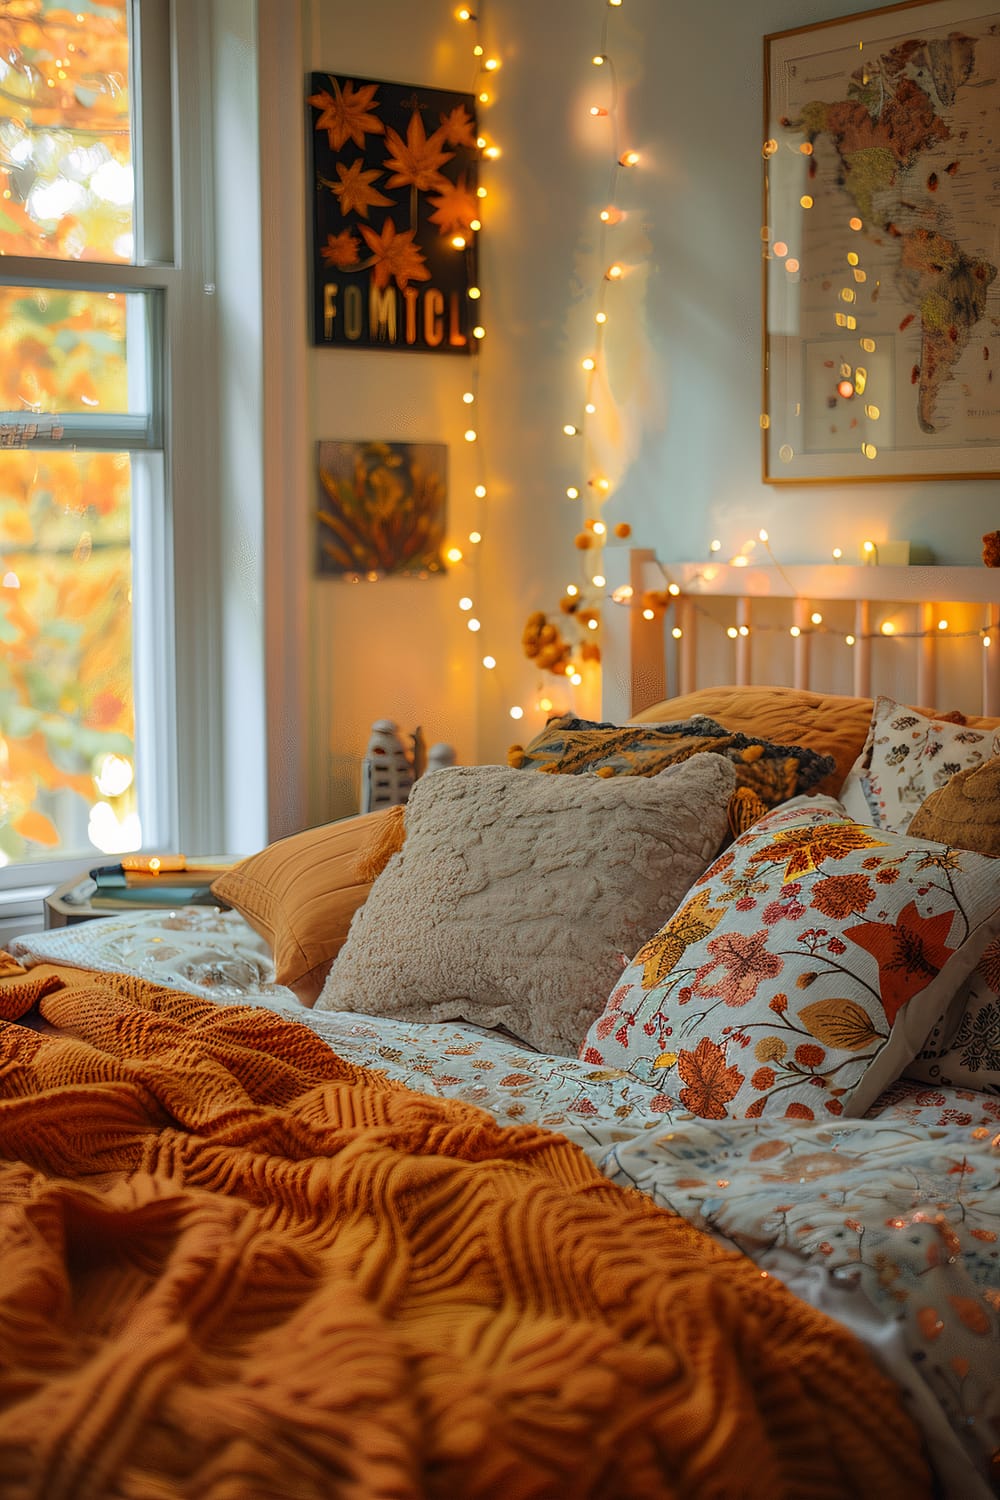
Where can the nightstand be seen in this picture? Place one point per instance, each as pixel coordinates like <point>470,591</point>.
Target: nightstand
<point>61,911</point>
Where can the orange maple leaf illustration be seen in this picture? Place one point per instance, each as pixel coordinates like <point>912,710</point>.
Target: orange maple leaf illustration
<point>344,113</point>
<point>805,849</point>
<point>454,207</point>
<point>340,250</point>
<point>458,127</point>
<point>395,255</point>
<point>908,952</point>
<point>417,160</point>
<point>355,189</point>
<point>710,1083</point>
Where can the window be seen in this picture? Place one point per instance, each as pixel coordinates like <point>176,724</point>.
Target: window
<point>85,229</point>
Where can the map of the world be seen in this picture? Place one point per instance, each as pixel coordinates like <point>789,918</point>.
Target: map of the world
<point>883,247</point>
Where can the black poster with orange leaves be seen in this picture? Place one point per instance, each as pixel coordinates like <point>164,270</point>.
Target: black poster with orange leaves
<point>394,171</point>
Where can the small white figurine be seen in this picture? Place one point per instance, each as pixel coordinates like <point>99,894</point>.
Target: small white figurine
<point>386,771</point>
<point>439,756</point>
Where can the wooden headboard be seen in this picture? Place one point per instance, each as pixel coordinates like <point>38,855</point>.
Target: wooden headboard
<point>928,635</point>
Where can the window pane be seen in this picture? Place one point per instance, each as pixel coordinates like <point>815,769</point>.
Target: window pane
<point>66,706</point>
<point>65,136</point>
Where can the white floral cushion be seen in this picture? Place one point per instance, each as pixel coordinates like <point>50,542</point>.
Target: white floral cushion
<point>963,1049</point>
<point>803,971</point>
<point>906,756</point>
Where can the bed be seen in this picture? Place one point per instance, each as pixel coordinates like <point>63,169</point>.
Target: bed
<point>623,1121</point>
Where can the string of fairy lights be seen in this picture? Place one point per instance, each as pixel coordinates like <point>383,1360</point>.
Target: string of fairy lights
<point>582,599</point>
<point>655,604</point>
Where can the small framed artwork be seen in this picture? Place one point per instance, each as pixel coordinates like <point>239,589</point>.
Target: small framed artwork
<point>881,246</point>
<point>394,215</point>
<point>381,510</point>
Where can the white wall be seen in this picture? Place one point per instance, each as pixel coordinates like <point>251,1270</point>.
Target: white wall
<point>678,430</point>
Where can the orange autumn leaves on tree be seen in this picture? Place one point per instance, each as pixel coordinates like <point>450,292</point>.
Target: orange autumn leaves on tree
<point>67,127</point>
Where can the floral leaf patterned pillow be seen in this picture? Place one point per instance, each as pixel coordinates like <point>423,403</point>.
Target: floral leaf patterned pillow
<point>570,746</point>
<point>906,757</point>
<point>963,1049</point>
<point>803,970</point>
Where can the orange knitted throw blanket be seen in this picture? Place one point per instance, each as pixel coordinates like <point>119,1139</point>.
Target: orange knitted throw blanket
<point>235,1266</point>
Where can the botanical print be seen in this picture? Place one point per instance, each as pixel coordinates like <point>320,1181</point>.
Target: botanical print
<point>803,971</point>
<point>394,215</point>
<point>965,1052</point>
<point>381,509</point>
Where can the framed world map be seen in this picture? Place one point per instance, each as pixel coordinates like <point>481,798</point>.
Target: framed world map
<point>881,246</point>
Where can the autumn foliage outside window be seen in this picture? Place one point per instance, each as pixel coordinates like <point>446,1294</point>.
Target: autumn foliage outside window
<point>66,193</point>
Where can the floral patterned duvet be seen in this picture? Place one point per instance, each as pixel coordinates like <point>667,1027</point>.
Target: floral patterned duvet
<point>890,1223</point>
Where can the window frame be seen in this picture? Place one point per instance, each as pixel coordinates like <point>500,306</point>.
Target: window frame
<point>179,692</point>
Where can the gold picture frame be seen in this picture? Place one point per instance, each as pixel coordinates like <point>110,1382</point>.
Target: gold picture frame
<point>881,246</point>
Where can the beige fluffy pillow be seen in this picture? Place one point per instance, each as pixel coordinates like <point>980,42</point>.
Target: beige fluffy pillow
<point>517,899</point>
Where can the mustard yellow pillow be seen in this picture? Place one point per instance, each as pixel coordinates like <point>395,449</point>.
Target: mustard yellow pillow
<point>301,892</point>
<point>965,812</point>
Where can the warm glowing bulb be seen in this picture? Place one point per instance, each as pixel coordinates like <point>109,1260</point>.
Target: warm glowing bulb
<point>489,662</point>
<point>575,679</point>
<point>600,317</point>
<point>479,332</point>
<point>492,152</point>
<point>598,580</point>
<point>677,632</point>
<point>570,430</point>
<point>614,2</point>
<point>465,603</point>
<point>454,555</point>
<point>849,640</point>
<point>475,537</point>
<point>483,97</point>
<point>477,50</point>
<point>673,589</point>
<point>458,241</point>
<point>732,632</point>
<point>599,528</point>
<point>482,192</point>
<point>795,632</point>
<point>590,408</point>
<point>629,159</point>
<point>517,713</point>
<point>474,293</point>
<point>887,627</point>
<point>715,545</point>
<point>615,272</point>
<point>590,363</point>
<point>837,554</point>
<point>942,624</point>
<point>480,141</point>
<point>868,548</point>
<point>592,624</point>
<point>470,434</point>
<point>572,493</point>
<point>648,614</point>
<point>744,630</point>
<point>816,617</point>
<point>480,492</point>
<point>476,224</point>
<point>762,535</point>
<point>474,625</point>
<point>544,705</point>
<point>597,59</point>
<point>464,14</point>
<point>987,642</point>
<point>468,397</point>
<point>597,111</point>
<point>572,590</point>
<point>491,64</point>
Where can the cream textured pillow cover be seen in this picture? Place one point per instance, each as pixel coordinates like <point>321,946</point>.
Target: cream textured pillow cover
<point>517,899</point>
